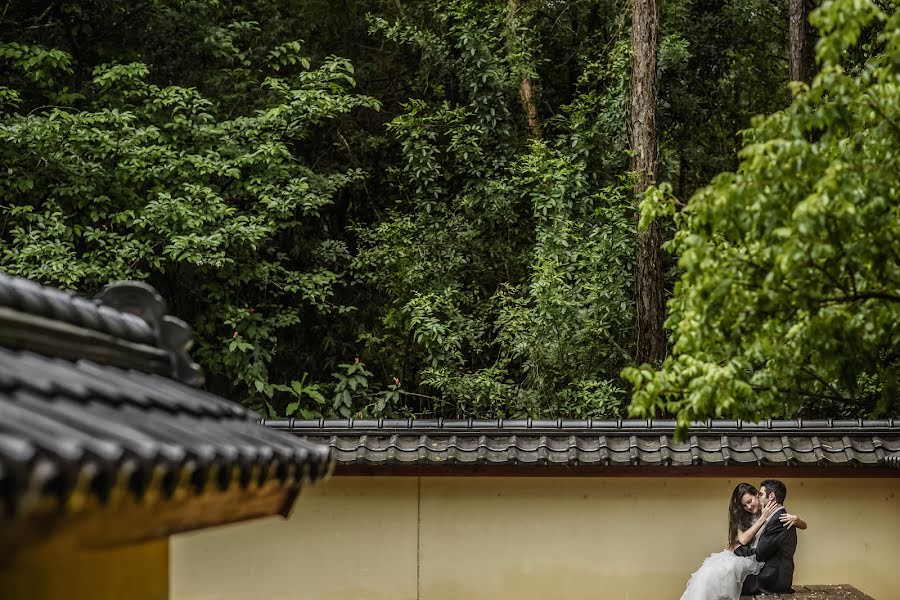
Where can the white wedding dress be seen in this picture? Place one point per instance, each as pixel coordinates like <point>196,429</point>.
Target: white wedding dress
<point>721,576</point>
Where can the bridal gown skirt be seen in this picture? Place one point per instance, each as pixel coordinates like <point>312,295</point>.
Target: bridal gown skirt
<point>721,576</point>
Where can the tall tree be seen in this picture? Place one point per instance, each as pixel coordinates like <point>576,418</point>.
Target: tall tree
<point>526,90</point>
<point>650,302</point>
<point>797,27</point>
<point>789,297</point>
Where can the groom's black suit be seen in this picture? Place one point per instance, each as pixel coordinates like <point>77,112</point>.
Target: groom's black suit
<point>776,548</point>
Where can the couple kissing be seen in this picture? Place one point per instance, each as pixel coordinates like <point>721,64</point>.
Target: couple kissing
<point>762,539</point>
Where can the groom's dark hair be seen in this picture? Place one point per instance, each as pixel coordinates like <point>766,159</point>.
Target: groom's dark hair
<point>773,486</point>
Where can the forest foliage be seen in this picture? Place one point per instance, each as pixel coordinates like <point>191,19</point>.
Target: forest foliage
<point>363,210</point>
<point>789,297</point>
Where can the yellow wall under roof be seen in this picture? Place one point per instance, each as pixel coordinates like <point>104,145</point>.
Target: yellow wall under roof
<point>471,538</point>
<point>135,572</point>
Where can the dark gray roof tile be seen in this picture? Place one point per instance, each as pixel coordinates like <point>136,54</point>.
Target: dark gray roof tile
<point>66,421</point>
<point>30,298</point>
<point>619,443</point>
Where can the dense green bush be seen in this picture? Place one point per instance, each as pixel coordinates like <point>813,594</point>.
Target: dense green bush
<point>147,182</point>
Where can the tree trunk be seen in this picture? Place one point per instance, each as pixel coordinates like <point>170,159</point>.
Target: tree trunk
<point>797,14</point>
<point>526,91</point>
<point>650,301</point>
<point>526,94</point>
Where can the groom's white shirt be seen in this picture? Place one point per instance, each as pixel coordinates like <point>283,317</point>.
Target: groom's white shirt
<point>761,529</point>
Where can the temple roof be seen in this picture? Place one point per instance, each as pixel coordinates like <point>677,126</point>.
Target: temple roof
<point>100,405</point>
<point>604,443</point>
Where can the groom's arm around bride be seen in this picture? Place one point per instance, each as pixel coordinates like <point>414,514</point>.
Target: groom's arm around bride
<point>775,546</point>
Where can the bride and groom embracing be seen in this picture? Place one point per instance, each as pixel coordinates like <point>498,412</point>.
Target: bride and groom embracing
<point>762,538</point>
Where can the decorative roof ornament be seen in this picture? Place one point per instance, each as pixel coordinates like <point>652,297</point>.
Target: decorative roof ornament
<point>172,334</point>
<point>125,325</point>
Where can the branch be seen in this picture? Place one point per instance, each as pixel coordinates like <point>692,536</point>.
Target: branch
<point>877,108</point>
<point>404,393</point>
<point>830,386</point>
<point>860,297</point>
<point>802,394</point>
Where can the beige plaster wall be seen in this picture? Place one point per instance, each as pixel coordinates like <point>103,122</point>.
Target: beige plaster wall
<point>522,538</point>
<point>347,539</point>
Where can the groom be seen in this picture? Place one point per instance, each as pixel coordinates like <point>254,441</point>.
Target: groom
<point>774,545</point>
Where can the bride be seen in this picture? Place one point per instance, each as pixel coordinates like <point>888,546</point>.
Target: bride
<point>721,575</point>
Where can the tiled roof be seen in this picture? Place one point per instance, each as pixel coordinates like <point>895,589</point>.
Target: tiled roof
<point>75,426</point>
<point>622,443</point>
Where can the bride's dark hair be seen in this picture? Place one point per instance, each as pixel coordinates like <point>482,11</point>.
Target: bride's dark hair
<point>738,518</point>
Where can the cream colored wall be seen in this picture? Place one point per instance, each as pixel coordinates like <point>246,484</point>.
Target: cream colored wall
<point>348,538</point>
<point>523,538</point>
